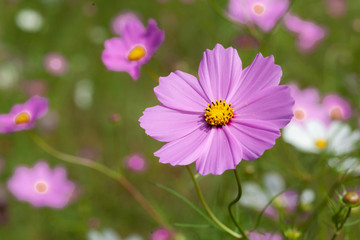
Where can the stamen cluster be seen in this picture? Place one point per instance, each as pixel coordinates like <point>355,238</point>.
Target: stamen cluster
<point>218,113</point>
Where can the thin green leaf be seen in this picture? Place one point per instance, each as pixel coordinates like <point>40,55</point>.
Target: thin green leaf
<point>188,202</point>
<point>191,225</point>
<point>348,224</point>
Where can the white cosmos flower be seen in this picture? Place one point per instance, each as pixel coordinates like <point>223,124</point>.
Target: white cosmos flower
<point>29,20</point>
<point>315,136</point>
<point>255,196</point>
<point>109,234</point>
<point>351,165</point>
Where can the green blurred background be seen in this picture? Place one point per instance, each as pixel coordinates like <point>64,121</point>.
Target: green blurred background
<point>77,30</point>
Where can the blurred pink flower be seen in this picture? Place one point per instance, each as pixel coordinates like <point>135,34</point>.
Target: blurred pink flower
<point>49,122</point>
<point>136,163</point>
<point>135,47</point>
<point>41,186</point>
<point>23,116</point>
<point>264,236</point>
<point>307,104</point>
<point>160,234</point>
<point>287,201</point>
<point>56,64</point>
<point>336,8</point>
<point>229,114</point>
<point>35,87</point>
<point>262,13</point>
<point>308,33</point>
<point>337,107</point>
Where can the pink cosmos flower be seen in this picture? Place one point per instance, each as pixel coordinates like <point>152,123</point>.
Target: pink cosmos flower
<point>308,33</point>
<point>56,64</point>
<point>135,162</point>
<point>264,236</point>
<point>337,107</point>
<point>263,13</point>
<point>135,47</point>
<point>307,104</point>
<point>161,234</point>
<point>229,114</point>
<point>23,116</point>
<point>41,186</point>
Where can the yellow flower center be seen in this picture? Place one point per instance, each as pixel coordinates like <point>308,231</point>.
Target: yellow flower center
<point>321,143</point>
<point>137,53</point>
<point>41,187</point>
<point>22,117</point>
<point>218,113</point>
<point>336,113</point>
<point>259,8</point>
<point>299,114</point>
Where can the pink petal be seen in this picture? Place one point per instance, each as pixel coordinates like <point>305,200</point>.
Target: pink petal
<point>262,73</point>
<point>185,150</point>
<point>256,136</point>
<point>223,152</point>
<point>219,71</point>
<point>181,91</point>
<point>273,104</point>
<point>132,29</point>
<point>154,37</point>
<point>165,124</point>
<point>38,106</point>
<point>114,56</point>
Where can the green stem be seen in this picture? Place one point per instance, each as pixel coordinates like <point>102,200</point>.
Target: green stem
<point>338,228</point>
<point>208,210</point>
<point>238,182</point>
<point>106,171</point>
<point>151,74</point>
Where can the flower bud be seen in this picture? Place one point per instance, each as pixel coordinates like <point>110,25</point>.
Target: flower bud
<point>292,234</point>
<point>352,199</point>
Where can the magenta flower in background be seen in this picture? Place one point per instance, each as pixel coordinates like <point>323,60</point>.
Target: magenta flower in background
<point>264,236</point>
<point>56,64</point>
<point>136,163</point>
<point>337,107</point>
<point>287,201</point>
<point>41,186</point>
<point>135,47</point>
<point>262,13</point>
<point>307,104</point>
<point>160,234</point>
<point>23,116</point>
<point>229,114</point>
<point>308,33</point>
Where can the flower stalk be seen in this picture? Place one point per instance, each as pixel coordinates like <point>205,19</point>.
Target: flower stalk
<point>208,210</point>
<point>340,225</point>
<point>104,170</point>
<point>238,182</point>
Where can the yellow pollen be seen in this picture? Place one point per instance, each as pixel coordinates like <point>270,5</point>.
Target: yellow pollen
<point>299,114</point>
<point>41,187</point>
<point>259,9</point>
<point>218,113</point>
<point>137,53</point>
<point>336,113</point>
<point>22,117</point>
<point>321,143</point>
